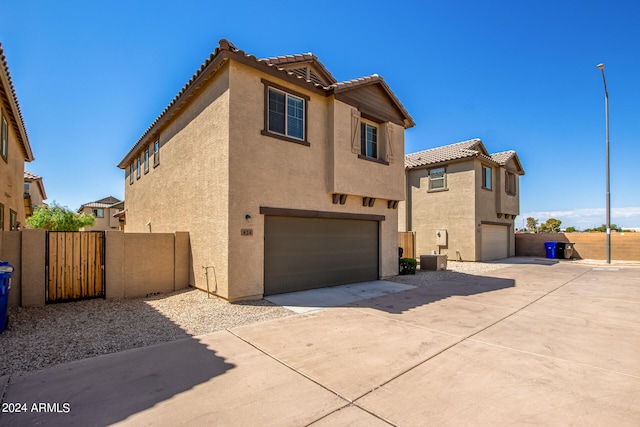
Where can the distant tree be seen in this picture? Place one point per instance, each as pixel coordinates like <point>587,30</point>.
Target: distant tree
<point>532,224</point>
<point>58,218</point>
<point>603,228</point>
<point>571,230</point>
<point>551,226</point>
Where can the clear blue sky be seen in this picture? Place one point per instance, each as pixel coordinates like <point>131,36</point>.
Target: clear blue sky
<point>92,76</point>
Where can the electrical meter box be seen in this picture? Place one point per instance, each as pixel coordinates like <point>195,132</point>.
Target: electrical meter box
<point>441,237</point>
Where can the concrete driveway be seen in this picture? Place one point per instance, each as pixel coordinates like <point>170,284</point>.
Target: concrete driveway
<point>530,344</point>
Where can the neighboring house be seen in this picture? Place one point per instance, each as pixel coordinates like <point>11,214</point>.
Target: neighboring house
<point>15,150</point>
<point>285,178</point>
<point>105,211</point>
<point>34,194</point>
<point>462,201</point>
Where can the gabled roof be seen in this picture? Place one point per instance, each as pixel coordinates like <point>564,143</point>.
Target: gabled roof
<point>107,202</point>
<point>459,151</point>
<point>31,177</point>
<point>10,100</point>
<point>305,65</point>
<point>285,67</point>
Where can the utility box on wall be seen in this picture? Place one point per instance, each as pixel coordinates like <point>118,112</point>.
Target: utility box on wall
<point>441,237</point>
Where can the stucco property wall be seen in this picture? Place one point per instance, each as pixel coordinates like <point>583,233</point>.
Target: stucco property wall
<point>136,264</point>
<point>624,246</point>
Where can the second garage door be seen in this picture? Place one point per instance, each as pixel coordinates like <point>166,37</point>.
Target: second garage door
<point>495,242</point>
<point>309,253</point>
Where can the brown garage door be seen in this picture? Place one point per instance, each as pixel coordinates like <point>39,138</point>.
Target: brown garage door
<point>309,253</point>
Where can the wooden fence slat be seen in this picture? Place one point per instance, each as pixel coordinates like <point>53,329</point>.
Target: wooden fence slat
<point>61,263</point>
<point>53,256</point>
<point>77,267</point>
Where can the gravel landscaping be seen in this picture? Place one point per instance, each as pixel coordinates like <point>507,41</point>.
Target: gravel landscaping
<point>39,337</point>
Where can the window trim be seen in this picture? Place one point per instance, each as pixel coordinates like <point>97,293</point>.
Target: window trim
<point>13,220</point>
<point>484,178</point>
<point>364,125</point>
<point>4,139</point>
<point>156,152</point>
<point>444,179</point>
<point>288,92</point>
<point>510,176</point>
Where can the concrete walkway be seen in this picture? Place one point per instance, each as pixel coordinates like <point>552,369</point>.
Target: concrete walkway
<point>530,344</point>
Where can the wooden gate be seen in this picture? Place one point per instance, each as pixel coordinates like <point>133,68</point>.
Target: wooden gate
<point>74,265</point>
<point>407,241</point>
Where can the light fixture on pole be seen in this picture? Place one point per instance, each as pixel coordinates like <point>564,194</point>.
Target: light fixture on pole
<point>606,112</point>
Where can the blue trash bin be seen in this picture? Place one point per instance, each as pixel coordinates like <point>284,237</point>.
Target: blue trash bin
<point>551,249</point>
<point>6,270</point>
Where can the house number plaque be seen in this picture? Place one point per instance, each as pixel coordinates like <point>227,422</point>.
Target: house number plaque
<point>246,231</point>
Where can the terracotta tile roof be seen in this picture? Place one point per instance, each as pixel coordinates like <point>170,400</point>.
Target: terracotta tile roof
<point>107,202</point>
<point>297,58</point>
<point>503,158</point>
<point>32,176</point>
<point>226,50</point>
<point>8,94</point>
<point>447,153</point>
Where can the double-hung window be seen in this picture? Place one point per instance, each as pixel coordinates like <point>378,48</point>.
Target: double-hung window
<point>437,179</point>
<point>138,167</point>
<point>486,177</point>
<point>285,114</point>
<point>4,147</point>
<point>131,173</point>
<point>146,160</point>
<point>368,140</point>
<point>156,153</point>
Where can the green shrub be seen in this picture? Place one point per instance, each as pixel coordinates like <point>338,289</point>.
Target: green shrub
<point>408,265</point>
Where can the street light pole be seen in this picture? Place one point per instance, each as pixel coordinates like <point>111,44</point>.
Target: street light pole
<point>606,112</point>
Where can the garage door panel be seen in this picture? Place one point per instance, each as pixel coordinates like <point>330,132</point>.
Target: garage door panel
<point>308,253</point>
<point>495,242</point>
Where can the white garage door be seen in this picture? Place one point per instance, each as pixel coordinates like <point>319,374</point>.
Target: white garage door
<point>495,242</point>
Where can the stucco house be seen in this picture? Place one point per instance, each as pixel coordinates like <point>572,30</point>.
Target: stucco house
<point>285,178</point>
<point>15,150</point>
<point>34,194</point>
<point>105,211</point>
<point>461,201</point>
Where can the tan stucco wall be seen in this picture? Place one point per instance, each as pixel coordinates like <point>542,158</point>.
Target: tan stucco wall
<point>12,178</point>
<point>624,246</point>
<point>461,209</point>
<point>452,210</point>
<point>33,252</point>
<point>188,190</point>
<point>266,171</point>
<point>107,222</point>
<point>11,252</point>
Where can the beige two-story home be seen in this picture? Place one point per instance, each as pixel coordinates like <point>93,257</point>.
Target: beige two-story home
<point>34,194</point>
<point>285,178</point>
<point>15,150</point>
<point>105,211</point>
<point>461,201</point>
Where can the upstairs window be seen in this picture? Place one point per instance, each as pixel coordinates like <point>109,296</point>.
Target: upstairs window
<point>156,153</point>
<point>98,213</point>
<point>146,160</point>
<point>368,140</point>
<point>138,167</point>
<point>510,183</point>
<point>4,147</point>
<point>437,179</point>
<point>131,173</point>
<point>285,114</point>
<point>486,177</point>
